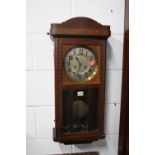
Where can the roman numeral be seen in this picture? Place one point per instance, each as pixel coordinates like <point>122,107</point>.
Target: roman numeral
<point>81,51</point>
<point>70,57</point>
<point>68,63</point>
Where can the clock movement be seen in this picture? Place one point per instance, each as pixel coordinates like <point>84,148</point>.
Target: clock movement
<point>80,69</point>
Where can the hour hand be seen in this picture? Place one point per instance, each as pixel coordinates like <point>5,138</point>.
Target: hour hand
<point>78,60</point>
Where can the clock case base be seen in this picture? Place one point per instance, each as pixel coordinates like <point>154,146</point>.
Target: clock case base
<point>76,138</point>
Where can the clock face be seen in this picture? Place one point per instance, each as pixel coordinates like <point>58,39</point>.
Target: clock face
<point>80,64</point>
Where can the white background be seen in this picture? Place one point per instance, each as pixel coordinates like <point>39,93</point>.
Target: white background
<point>40,72</point>
<point>12,79</point>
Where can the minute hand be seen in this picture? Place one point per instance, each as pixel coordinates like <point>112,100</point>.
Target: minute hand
<point>78,69</point>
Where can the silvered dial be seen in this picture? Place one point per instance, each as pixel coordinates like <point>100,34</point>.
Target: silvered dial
<point>80,64</point>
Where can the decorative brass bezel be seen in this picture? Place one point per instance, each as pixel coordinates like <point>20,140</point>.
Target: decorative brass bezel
<point>94,72</point>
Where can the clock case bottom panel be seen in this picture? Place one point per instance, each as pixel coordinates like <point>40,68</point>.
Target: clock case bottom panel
<point>78,137</point>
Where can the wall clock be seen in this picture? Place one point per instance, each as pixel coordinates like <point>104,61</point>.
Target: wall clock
<point>80,64</point>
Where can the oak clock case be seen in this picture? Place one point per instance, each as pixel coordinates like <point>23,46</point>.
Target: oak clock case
<point>80,63</point>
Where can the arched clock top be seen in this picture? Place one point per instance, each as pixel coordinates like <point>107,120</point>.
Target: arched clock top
<point>80,26</point>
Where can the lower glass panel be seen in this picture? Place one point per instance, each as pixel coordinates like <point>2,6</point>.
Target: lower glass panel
<point>79,109</point>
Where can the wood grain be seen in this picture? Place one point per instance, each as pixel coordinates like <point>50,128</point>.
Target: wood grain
<point>123,148</point>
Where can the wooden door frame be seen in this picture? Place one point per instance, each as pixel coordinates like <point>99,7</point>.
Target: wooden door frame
<point>123,146</point>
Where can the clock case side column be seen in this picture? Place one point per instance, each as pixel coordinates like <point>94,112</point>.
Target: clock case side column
<point>57,131</point>
<point>101,105</point>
